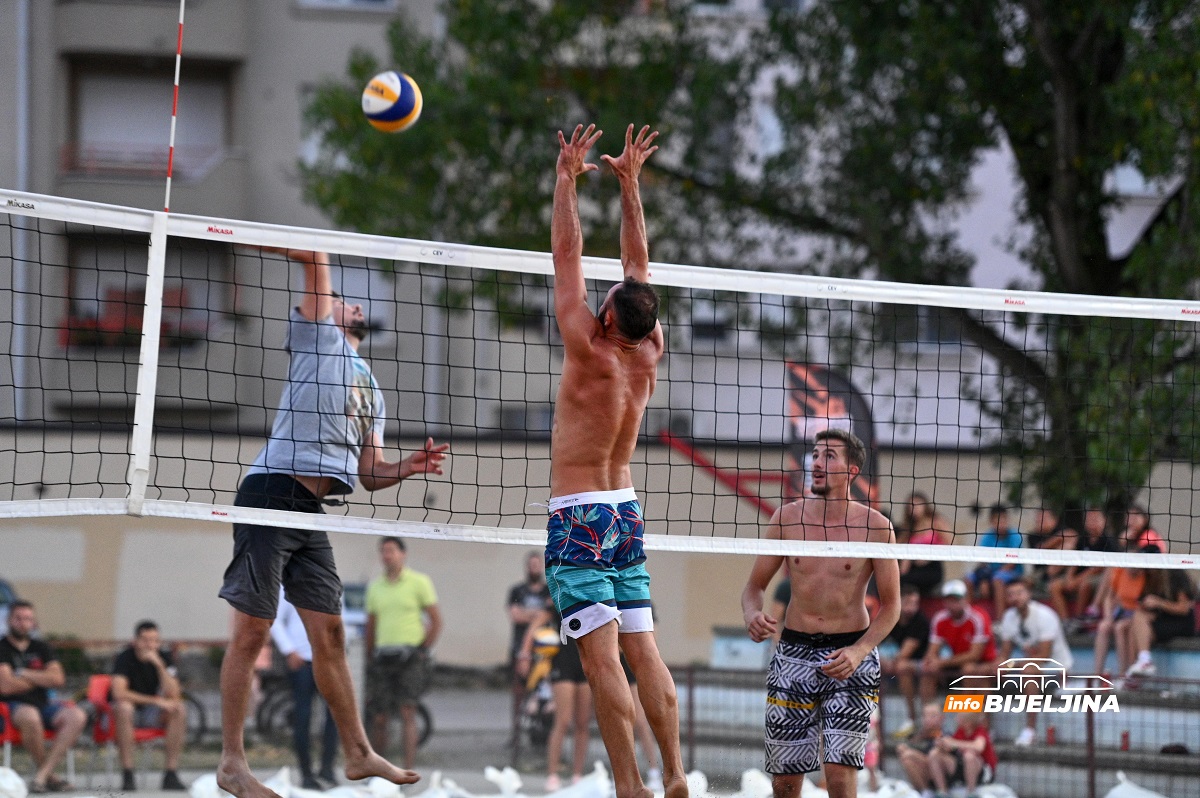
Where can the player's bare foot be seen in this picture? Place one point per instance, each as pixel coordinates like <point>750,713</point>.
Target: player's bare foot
<point>374,765</point>
<point>675,786</point>
<point>237,780</point>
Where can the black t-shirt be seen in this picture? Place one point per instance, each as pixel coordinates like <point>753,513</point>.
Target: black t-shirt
<point>36,657</point>
<point>527,597</point>
<point>1102,543</point>
<point>917,629</point>
<point>142,676</point>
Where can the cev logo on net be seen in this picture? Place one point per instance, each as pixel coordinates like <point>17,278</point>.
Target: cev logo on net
<point>1090,693</point>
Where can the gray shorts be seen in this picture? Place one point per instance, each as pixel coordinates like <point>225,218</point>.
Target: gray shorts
<point>397,677</point>
<point>147,716</point>
<point>805,707</point>
<point>266,556</point>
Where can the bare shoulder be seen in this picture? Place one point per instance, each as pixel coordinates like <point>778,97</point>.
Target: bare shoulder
<point>879,528</point>
<point>791,519</point>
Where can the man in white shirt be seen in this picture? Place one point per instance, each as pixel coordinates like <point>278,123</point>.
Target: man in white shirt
<point>1037,630</point>
<point>292,641</point>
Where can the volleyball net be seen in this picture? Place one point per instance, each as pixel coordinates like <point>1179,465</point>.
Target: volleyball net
<point>146,360</point>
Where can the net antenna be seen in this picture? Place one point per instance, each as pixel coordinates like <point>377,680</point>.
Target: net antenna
<point>174,108</point>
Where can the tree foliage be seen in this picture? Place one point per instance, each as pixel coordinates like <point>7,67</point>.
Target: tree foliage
<point>840,140</point>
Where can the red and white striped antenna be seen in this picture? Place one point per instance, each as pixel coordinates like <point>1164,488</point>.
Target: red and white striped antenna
<point>174,108</point>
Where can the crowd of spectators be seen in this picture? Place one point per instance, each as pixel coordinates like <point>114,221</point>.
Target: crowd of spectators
<point>955,627</point>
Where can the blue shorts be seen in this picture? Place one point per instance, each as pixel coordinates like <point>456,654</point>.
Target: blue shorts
<point>595,565</point>
<point>48,712</point>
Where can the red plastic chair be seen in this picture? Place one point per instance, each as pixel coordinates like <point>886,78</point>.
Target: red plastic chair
<point>10,735</point>
<point>104,726</point>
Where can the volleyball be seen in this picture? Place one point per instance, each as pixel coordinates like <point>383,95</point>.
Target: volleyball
<point>392,101</point>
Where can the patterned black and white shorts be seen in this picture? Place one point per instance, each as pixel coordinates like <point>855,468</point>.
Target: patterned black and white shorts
<point>810,713</point>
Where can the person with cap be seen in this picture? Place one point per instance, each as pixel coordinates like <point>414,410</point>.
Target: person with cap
<point>965,632</point>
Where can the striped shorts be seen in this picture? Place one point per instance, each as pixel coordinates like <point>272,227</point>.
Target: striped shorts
<point>808,711</point>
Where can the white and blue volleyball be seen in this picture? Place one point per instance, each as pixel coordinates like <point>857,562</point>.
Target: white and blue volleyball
<point>392,101</point>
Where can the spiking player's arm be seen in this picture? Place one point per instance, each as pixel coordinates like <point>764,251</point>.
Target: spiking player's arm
<point>576,323</point>
<point>316,302</point>
<point>635,251</point>
<point>375,472</point>
<point>760,625</point>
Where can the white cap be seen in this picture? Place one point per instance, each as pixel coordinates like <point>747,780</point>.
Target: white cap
<point>955,587</point>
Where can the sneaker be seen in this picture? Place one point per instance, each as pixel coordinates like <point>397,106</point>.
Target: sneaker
<point>553,783</point>
<point>171,782</point>
<point>928,793</point>
<point>128,781</point>
<point>654,782</point>
<point>905,730</point>
<point>310,782</point>
<point>1025,738</point>
<point>1142,668</point>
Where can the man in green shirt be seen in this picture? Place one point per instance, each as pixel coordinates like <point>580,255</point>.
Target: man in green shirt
<point>403,623</point>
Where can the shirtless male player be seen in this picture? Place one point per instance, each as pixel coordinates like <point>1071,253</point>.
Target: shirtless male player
<point>595,566</point>
<point>824,679</point>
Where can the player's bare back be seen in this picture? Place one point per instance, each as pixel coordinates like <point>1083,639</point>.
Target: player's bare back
<point>830,589</point>
<point>601,400</point>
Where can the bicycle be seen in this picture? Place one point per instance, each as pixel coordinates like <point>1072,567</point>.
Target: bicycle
<point>273,719</point>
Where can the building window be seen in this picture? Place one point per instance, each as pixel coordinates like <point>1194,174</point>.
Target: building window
<point>106,292</point>
<point>121,119</point>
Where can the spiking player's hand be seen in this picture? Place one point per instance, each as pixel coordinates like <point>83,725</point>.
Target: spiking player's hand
<point>628,165</point>
<point>427,461</point>
<point>571,153</point>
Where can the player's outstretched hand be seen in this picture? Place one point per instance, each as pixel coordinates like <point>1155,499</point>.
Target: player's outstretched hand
<point>628,165</point>
<point>761,627</point>
<point>843,662</point>
<point>572,153</point>
<point>299,255</point>
<point>428,460</point>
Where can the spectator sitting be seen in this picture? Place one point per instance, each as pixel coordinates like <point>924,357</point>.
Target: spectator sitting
<point>914,752</point>
<point>967,756</point>
<point>911,635</point>
<point>1138,532</point>
<point>966,631</point>
<point>1073,590</point>
<point>922,525</point>
<point>146,695</point>
<point>989,578</point>
<point>1037,630</point>
<point>1117,602</point>
<point>1048,533</point>
<point>29,670</point>
<point>1165,612</point>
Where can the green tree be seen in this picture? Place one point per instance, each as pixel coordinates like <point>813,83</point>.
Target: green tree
<point>868,118</point>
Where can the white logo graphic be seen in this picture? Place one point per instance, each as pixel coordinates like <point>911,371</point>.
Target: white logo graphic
<point>1006,691</point>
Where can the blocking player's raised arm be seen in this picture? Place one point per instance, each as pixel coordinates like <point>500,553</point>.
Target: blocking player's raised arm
<point>635,250</point>
<point>575,319</point>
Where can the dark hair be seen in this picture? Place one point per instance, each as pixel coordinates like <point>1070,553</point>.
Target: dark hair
<point>144,626</point>
<point>856,453</point>
<point>20,604</point>
<point>1023,582</point>
<point>393,539</point>
<point>635,308</point>
<point>908,588</point>
<point>999,508</point>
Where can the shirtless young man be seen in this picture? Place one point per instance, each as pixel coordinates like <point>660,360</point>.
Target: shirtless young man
<point>824,679</point>
<point>594,560</point>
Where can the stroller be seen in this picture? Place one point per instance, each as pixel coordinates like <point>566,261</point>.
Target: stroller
<point>537,713</point>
